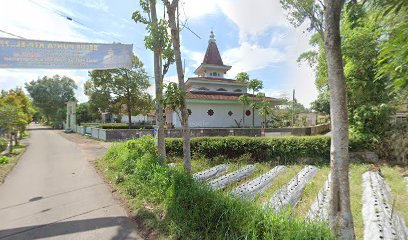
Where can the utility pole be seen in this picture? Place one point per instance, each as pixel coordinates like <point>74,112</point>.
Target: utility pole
<point>293,108</point>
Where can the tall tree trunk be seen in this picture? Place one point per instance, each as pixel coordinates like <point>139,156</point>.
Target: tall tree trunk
<point>341,219</point>
<point>11,143</point>
<point>253,109</point>
<point>129,107</point>
<point>129,117</point>
<point>158,80</point>
<point>175,37</point>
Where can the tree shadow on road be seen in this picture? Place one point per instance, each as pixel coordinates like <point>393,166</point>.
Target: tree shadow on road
<point>125,231</point>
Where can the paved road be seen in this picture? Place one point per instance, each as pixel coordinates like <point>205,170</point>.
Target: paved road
<point>55,193</point>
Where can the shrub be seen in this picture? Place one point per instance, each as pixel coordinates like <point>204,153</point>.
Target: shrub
<point>191,209</point>
<point>285,149</point>
<point>117,126</point>
<point>4,160</point>
<point>3,144</point>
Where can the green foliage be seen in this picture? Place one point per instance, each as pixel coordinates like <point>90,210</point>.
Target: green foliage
<point>301,11</point>
<point>86,113</point>
<point>393,56</point>
<point>120,91</point>
<point>3,144</point>
<point>173,98</point>
<point>322,103</point>
<point>397,142</point>
<point>50,95</point>
<point>281,149</point>
<point>4,160</point>
<point>12,118</point>
<point>242,77</point>
<point>193,211</point>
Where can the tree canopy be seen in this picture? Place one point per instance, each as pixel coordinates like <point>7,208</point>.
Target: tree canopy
<point>120,91</point>
<point>50,94</point>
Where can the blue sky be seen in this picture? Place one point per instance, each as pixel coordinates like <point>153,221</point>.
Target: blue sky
<point>252,36</point>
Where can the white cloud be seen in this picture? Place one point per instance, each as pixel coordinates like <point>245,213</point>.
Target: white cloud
<point>249,57</point>
<point>38,21</point>
<point>196,9</point>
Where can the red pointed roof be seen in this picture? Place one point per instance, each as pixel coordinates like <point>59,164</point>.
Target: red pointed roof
<point>212,56</point>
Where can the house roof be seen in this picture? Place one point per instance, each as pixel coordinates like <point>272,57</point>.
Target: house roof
<point>221,96</point>
<point>213,79</point>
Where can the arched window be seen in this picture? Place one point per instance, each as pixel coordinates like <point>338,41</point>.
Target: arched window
<point>203,89</point>
<point>221,90</point>
<point>238,90</point>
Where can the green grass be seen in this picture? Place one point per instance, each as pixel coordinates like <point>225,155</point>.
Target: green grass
<point>169,201</point>
<point>280,180</point>
<point>311,190</point>
<point>394,177</point>
<point>176,207</point>
<point>12,160</point>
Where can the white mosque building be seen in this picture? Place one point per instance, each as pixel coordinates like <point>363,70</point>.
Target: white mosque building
<point>212,100</point>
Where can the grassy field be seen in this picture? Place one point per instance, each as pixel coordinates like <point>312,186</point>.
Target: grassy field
<point>393,176</point>
<point>5,168</point>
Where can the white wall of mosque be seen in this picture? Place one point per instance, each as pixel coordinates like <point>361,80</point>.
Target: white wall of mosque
<point>218,115</point>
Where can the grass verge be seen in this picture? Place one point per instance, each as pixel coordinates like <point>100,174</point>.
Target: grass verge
<point>5,168</point>
<point>169,200</point>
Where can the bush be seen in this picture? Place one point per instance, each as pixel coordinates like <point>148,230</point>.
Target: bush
<point>4,160</point>
<point>284,149</point>
<point>3,144</point>
<point>191,209</point>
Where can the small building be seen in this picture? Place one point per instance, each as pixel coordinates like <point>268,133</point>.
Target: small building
<point>213,100</point>
<point>310,118</point>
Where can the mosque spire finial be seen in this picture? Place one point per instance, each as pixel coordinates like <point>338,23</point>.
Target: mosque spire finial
<point>212,37</point>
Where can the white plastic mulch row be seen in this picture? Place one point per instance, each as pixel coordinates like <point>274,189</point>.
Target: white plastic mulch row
<point>290,194</point>
<point>381,221</point>
<point>250,189</point>
<point>320,207</point>
<point>211,173</point>
<point>226,180</point>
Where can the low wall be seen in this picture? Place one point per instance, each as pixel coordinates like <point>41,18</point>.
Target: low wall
<point>111,135</point>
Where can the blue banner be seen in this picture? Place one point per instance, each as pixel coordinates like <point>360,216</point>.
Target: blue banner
<point>22,53</point>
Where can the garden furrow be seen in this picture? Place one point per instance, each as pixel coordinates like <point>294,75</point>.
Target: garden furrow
<point>250,189</point>
<point>381,221</point>
<point>211,173</point>
<point>320,207</point>
<point>225,181</point>
<point>290,193</point>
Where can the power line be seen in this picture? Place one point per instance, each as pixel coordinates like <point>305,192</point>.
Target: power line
<point>11,34</point>
<point>69,18</point>
<point>186,22</point>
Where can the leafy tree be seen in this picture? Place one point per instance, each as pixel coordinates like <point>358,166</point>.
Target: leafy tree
<point>12,120</point>
<point>393,58</point>
<point>265,109</point>
<point>50,95</point>
<point>174,27</point>
<point>85,113</point>
<point>244,99</point>
<point>253,85</point>
<point>321,104</point>
<point>158,41</point>
<point>324,17</point>
<point>120,90</point>
<point>17,97</point>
